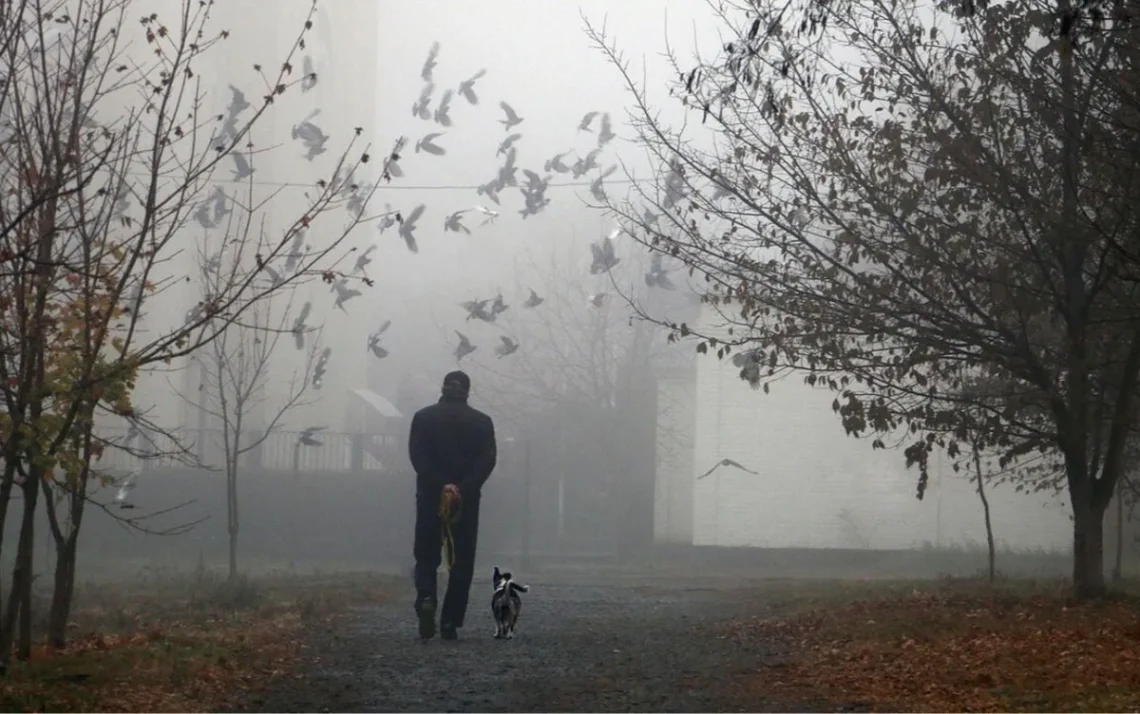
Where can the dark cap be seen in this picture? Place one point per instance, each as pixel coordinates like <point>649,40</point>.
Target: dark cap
<point>457,382</point>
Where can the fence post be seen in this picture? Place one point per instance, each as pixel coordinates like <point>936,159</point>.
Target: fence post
<point>525,556</point>
<point>357,459</point>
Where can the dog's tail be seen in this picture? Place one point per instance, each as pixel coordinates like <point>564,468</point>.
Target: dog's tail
<point>520,587</point>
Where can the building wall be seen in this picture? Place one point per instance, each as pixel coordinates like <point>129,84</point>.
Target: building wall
<point>817,487</point>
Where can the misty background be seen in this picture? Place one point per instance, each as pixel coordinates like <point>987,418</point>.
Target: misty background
<point>605,428</point>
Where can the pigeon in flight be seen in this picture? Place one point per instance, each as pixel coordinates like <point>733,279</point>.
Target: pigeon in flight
<point>464,347</point>
<point>238,102</point>
<point>321,368</point>
<point>555,163</point>
<point>441,112</point>
<point>388,218</point>
<point>125,487</point>
<point>534,300</point>
<point>299,326</point>
<point>585,165</point>
<point>344,294</point>
<point>374,341</point>
<point>242,169</point>
<point>275,278</point>
<point>408,228</point>
<point>729,463</point>
<point>309,76</point>
<point>506,145</point>
<point>308,437</point>
<point>509,347</point>
<point>467,87</point>
<point>477,309</point>
<point>490,215</point>
<point>311,136</point>
<point>454,222</point>
<point>427,144</point>
<point>202,215</point>
<point>587,120</point>
<point>490,190</point>
<point>420,107</point>
<point>296,250</point>
<point>606,133</point>
<point>658,277</point>
<point>364,260</point>
<point>603,254</point>
<point>598,299</point>
<point>430,63</point>
<point>596,185</point>
<point>512,119</point>
<point>498,307</point>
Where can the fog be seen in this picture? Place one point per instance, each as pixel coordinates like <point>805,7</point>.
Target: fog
<point>604,425</point>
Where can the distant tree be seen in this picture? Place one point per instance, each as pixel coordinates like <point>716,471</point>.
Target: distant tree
<point>240,390</point>
<point>107,157</point>
<point>906,203</point>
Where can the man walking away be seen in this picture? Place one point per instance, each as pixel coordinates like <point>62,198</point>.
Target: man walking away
<point>452,448</point>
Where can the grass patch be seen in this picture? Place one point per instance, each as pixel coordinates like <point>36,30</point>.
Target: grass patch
<point>947,645</point>
<point>182,643</point>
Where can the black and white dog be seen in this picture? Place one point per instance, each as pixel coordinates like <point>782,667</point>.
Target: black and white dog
<point>506,603</point>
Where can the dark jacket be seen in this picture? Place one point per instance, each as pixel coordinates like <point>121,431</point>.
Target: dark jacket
<point>452,442</point>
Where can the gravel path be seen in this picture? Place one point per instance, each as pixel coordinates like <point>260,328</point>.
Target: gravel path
<point>614,647</point>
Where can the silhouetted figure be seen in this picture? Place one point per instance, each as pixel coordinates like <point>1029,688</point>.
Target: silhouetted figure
<point>452,448</point>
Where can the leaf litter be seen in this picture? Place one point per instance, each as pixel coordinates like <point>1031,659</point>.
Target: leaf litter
<point>932,650</point>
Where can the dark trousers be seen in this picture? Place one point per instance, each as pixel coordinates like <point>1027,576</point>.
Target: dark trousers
<point>429,554</point>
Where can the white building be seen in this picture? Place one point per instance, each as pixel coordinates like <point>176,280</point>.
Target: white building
<point>816,487</point>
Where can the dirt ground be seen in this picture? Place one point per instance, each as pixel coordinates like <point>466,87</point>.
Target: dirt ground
<point>591,640</point>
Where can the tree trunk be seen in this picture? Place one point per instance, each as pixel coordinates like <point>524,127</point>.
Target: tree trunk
<point>1088,549</point>
<point>232,514</point>
<point>63,590</point>
<point>19,592</point>
<point>991,551</point>
<point>1118,560</point>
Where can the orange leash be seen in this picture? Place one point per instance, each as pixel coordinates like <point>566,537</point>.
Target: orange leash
<point>449,509</point>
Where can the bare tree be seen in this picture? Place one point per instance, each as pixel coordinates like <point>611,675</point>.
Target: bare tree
<point>239,389</point>
<point>911,203</point>
<point>107,154</point>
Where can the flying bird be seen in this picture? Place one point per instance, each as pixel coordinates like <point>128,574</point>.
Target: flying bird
<point>321,368</point>
<point>441,116</point>
<point>506,145</point>
<point>308,437</point>
<point>490,215</point>
<point>604,258</point>
<point>275,278</point>
<point>596,185</point>
<point>389,218</point>
<point>467,87</point>
<point>309,78</point>
<point>344,294</point>
<point>729,463</point>
<point>534,300</point>
<point>420,107</point>
<point>364,260</point>
<point>374,341</point>
<point>512,119</point>
<point>311,136</point>
<point>555,163</point>
<point>299,326</point>
<point>296,250</point>
<point>605,134</point>
<point>477,309</point>
<point>598,299</point>
<point>238,102</point>
<point>125,487</point>
<point>408,228</point>
<point>658,277</point>
<point>588,119</point>
<point>454,223</point>
<point>242,169</point>
<point>430,63</point>
<point>509,347</point>
<point>427,144</point>
<point>464,347</point>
